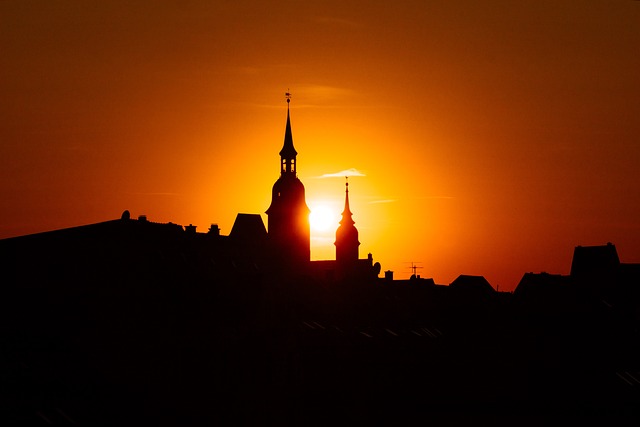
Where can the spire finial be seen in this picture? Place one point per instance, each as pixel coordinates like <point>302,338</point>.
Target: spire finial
<point>288,96</point>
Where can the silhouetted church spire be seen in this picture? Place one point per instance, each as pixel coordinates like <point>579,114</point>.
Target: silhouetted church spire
<point>288,153</point>
<point>346,213</point>
<point>347,234</point>
<point>288,215</point>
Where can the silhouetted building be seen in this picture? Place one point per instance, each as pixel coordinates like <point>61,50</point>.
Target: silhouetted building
<point>600,279</point>
<point>347,265</point>
<point>594,271</point>
<point>347,235</point>
<point>543,293</point>
<point>475,285</point>
<point>248,228</point>
<point>288,215</point>
<point>595,261</point>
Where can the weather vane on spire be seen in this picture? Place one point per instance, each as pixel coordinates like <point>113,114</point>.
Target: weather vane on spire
<point>288,96</point>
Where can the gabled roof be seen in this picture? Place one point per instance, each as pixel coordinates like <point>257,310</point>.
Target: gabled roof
<point>594,260</point>
<point>248,226</point>
<point>472,284</point>
<point>540,284</point>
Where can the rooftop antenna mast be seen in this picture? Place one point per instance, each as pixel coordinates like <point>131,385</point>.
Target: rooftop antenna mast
<point>414,268</point>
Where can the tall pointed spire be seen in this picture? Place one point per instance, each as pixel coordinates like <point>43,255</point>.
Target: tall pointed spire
<point>346,213</point>
<point>347,234</point>
<point>288,215</point>
<point>288,153</point>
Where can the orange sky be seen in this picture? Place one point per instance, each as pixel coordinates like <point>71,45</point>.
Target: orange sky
<point>493,136</point>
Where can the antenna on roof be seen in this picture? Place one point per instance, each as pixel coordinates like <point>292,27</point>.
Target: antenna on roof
<point>413,268</point>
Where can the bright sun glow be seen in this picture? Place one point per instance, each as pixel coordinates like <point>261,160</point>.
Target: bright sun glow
<point>322,218</point>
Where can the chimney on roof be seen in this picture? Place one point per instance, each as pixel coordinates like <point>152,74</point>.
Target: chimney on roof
<point>214,230</point>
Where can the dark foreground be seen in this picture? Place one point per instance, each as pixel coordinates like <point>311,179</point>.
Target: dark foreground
<point>121,324</point>
<point>259,352</point>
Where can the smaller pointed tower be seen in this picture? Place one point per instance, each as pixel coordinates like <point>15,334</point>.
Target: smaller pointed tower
<point>347,234</point>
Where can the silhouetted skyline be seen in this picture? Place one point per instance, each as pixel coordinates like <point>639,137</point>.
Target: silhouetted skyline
<point>492,137</point>
<point>129,320</point>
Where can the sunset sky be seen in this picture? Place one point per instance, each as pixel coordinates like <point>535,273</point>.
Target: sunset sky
<point>490,138</point>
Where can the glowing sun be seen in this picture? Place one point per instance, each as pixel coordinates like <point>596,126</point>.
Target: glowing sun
<point>322,218</point>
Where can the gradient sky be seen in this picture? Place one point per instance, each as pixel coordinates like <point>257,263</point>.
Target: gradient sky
<point>492,136</point>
